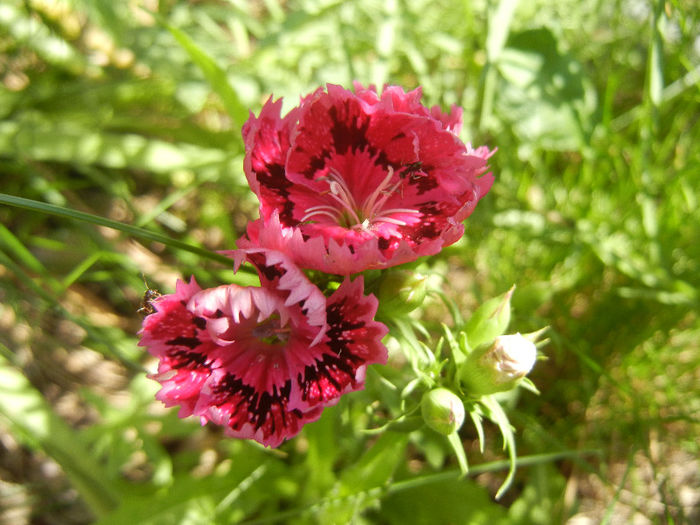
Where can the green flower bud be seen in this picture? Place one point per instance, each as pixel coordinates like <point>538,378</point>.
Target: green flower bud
<point>489,320</point>
<point>442,411</point>
<point>401,291</point>
<point>500,366</point>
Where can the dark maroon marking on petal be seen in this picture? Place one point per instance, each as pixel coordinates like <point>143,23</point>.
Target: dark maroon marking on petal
<point>338,368</point>
<point>191,360</point>
<point>218,314</point>
<point>271,273</point>
<point>257,406</point>
<point>316,164</point>
<point>425,183</point>
<point>324,368</point>
<point>349,127</point>
<point>274,183</point>
<point>181,340</point>
<point>201,322</point>
<point>383,243</point>
<point>430,226</point>
<point>339,327</point>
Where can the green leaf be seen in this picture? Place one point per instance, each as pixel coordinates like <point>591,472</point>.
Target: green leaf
<point>9,242</point>
<point>476,414</point>
<point>447,501</point>
<point>539,85</point>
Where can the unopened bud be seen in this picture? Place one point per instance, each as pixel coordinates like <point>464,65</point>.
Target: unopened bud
<point>442,411</point>
<point>500,367</point>
<point>512,355</point>
<point>400,292</point>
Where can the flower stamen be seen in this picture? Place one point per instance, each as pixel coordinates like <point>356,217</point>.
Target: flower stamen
<point>362,217</point>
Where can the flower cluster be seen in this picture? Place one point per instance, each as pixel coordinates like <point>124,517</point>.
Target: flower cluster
<point>347,182</point>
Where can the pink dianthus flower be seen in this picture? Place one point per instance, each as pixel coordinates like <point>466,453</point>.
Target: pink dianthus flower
<point>355,181</point>
<point>262,361</point>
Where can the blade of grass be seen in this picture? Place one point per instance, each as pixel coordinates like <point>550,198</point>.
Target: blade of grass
<point>81,268</point>
<point>11,243</point>
<point>690,79</point>
<point>498,29</point>
<point>134,231</point>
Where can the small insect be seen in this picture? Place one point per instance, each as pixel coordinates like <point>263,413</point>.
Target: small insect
<point>146,307</point>
<point>413,170</point>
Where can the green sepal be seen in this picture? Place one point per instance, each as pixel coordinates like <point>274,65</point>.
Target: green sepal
<point>458,449</point>
<point>489,320</point>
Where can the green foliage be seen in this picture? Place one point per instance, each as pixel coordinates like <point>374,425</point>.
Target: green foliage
<point>121,161</point>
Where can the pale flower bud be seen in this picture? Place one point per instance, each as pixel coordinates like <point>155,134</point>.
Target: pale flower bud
<point>512,355</point>
<point>500,366</point>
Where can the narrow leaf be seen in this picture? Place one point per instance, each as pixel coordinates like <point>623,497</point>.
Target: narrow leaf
<point>134,231</point>
<point>458,449</point>
<point>497,415</point>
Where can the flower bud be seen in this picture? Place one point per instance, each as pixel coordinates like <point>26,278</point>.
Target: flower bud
<point>500,367</point>
<point>401,291</point>
<point>442,411</point>
<point>512,355</point>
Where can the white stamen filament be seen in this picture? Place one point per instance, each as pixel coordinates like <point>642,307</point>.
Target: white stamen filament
<point>370,203</point>
<point>364,216</point>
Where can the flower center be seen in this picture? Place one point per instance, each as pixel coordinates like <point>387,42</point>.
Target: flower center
<point>350,214</point>
<point>271,332</point>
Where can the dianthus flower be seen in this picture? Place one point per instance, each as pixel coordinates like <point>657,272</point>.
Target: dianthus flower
<point>262,361</point>
<point>355,181</point>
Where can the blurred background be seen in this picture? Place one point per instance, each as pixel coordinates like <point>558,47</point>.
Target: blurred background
<point>132,111</point>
